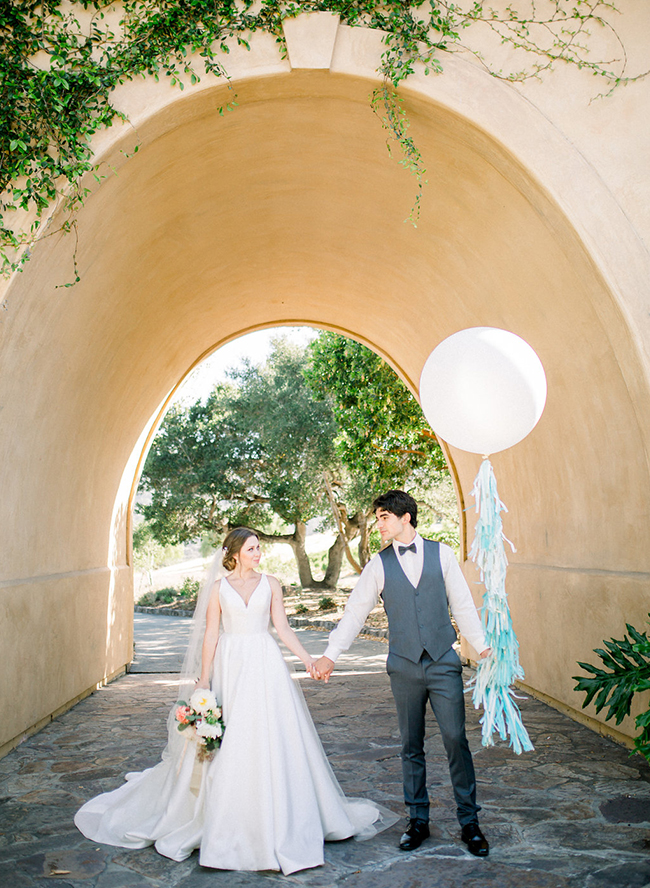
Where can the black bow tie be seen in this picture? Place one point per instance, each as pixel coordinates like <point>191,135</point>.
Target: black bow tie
<point>403,549</point>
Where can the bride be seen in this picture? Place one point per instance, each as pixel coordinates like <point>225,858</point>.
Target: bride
<point>269,798</point>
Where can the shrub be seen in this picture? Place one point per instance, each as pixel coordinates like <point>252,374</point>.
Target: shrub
<point>326,603</point>
<point>147,599</point>
<point>628,662</point>
<point>302,609</point>
<point>189,588</point>
<point>166,596</point>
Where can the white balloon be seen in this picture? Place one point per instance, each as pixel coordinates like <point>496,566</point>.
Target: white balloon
<point>483,389</point>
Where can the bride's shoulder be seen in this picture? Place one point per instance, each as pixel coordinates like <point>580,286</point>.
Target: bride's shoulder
<point>214,597</point>
<point>274,582</point>
<point>218,585</point>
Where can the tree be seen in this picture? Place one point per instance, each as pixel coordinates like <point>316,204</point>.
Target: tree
<point>254,453</point>
<point>383,435</point>
<point>384,440</point>
<point>148,553</point>
<point>308,435</point>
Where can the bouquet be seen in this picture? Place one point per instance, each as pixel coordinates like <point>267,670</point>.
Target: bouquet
<point>203,718</point>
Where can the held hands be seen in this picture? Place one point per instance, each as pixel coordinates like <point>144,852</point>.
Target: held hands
<point>322,669</point>
<point>319,670</point>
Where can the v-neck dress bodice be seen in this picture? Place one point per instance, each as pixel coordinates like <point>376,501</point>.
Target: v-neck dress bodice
<point>240,618</point>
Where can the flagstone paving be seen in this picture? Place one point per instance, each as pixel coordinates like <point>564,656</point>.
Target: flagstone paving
<point>575,813</point>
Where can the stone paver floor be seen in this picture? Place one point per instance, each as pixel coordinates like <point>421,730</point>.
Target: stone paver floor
<point>572,814</point>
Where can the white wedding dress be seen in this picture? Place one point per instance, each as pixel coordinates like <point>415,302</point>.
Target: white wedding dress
<point>269,798</point>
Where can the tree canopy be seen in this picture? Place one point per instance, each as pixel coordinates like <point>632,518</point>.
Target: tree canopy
<point>383,436</point>
<point>312,433</point>
<point>383,439</point>
<point>254,455</point>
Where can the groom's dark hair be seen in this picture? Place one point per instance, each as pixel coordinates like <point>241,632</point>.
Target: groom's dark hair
<point>398,503</point>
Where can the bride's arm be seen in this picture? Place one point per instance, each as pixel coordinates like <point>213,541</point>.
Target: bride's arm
<point>211,637</point>
<point>282,627</point>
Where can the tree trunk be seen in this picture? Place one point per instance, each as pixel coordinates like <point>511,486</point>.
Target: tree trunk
<point>302,559</point>
<point>346,527</point>
<point>334,562</point>
<point>364,540</point>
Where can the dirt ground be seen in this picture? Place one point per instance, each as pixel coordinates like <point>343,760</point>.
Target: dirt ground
<point>306,603</point>
<point>295,601</point>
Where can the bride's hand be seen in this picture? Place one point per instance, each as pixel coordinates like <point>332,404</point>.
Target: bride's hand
<point>201,685</point>
<point>310,667</point>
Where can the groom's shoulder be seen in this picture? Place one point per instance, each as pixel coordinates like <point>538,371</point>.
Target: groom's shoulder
<point>375,563</point>
<point>445,552</point>
<point>435,547</point>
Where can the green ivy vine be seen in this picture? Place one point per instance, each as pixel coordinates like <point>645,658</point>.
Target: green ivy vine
<point>60,61</point>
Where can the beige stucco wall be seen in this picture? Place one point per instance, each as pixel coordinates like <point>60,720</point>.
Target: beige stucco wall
<point>288,210</point>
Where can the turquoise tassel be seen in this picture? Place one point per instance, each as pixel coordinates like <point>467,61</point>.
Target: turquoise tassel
<point>495,674</point>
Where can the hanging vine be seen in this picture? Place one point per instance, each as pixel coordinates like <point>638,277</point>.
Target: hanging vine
<point>60,61</point>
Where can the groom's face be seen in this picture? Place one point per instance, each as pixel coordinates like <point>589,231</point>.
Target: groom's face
<point>390,525</point>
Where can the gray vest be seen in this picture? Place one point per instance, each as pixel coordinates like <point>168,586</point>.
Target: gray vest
<point>418,618</point>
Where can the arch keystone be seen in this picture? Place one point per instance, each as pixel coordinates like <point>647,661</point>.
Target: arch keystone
<point>310,39</point>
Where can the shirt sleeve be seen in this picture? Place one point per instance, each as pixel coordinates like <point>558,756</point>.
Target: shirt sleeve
<point>460,600</point>
<point>363,598</point>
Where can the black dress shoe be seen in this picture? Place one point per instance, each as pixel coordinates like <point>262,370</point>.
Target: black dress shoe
<point>476,842</point>
<point>416,832</point>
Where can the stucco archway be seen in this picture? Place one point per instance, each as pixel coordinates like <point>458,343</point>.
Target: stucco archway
<point>288,210</point>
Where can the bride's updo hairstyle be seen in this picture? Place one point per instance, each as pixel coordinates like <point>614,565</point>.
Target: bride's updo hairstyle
<point>233,544</point>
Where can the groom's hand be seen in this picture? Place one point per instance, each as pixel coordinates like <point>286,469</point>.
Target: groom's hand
<point>323,668</point>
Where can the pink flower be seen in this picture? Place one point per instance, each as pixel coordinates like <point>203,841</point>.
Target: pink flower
<point>181,714</point>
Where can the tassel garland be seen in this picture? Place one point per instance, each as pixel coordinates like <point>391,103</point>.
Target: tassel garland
<point>495,674</point>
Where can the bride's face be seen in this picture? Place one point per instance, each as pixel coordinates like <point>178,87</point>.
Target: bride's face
<point>250,554</point>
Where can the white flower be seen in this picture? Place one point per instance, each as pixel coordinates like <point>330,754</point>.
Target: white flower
<point>202,700</point>
<point>203,729</point>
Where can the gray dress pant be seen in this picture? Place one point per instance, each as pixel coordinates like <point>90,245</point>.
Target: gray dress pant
<point>441,683</point>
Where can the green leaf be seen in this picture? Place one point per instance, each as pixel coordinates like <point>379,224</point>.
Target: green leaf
<point>627,673</point>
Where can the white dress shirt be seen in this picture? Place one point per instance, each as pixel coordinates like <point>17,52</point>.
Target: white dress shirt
<point>370,584</point>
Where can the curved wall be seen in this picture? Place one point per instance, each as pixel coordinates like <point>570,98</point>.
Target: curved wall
<point>288,210</point>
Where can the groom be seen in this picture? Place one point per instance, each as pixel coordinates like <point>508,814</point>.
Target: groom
<point>418,581</point>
